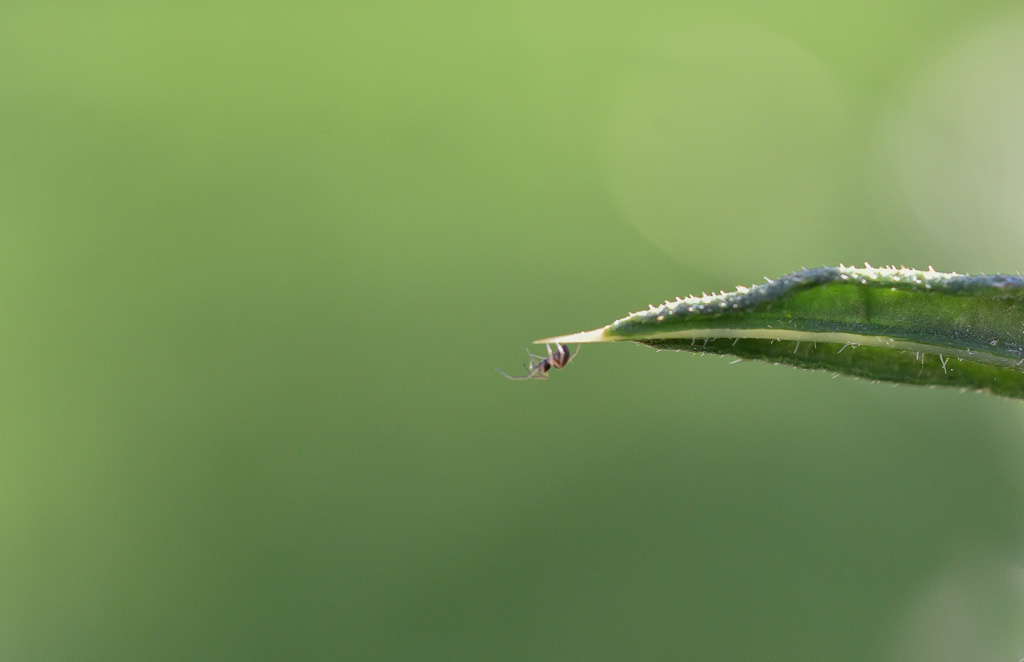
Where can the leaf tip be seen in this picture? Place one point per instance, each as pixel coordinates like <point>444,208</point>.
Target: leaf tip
<point>597,335</point>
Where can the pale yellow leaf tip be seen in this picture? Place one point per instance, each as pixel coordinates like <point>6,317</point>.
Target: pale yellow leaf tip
<point>597,335</point>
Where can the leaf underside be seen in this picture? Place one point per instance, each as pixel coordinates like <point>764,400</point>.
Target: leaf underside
<point>896,325</point>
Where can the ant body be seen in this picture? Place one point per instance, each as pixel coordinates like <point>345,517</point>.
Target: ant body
<point>540,365</point>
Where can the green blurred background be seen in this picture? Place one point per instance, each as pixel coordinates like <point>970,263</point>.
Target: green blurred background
<point>260,261</point>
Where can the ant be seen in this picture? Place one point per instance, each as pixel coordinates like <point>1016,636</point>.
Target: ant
<point>539,365</point>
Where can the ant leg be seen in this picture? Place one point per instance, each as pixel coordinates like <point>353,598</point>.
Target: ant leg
<point>533,356</point>
<point>510,376</point>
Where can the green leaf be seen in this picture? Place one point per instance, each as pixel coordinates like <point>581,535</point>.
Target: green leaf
<point>896,325</point>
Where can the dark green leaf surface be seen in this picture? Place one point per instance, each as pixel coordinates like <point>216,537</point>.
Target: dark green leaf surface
<point>897,325</point>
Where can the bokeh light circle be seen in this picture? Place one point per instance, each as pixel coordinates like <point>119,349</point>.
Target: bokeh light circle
<point>954,141</point>
<point>724,145</point>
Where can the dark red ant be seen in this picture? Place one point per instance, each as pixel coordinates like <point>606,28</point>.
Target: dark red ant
<point>540,365</point>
